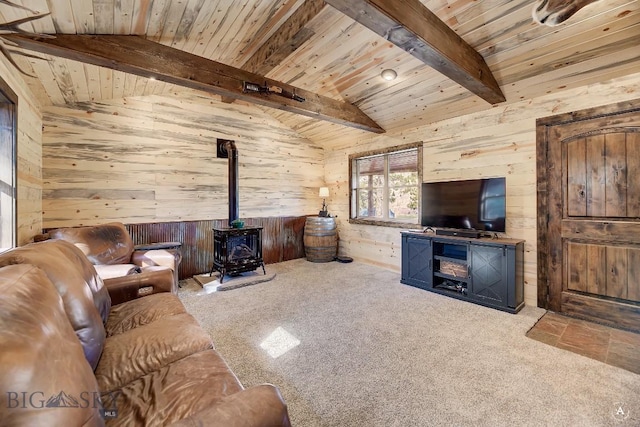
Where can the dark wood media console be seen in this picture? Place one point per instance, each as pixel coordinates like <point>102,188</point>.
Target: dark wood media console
<point>484,271</point>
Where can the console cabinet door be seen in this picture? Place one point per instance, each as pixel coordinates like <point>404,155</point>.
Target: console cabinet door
<point>489,282</point>
<point>417,269</point>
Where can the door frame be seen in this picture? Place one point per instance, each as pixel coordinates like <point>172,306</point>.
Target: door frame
<point>545,167</point>
<point>9,112</point>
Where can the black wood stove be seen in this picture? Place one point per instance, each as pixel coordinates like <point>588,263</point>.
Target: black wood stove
<point>235,250</point>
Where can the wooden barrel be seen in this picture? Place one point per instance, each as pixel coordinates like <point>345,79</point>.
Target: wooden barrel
<point>320,239</point>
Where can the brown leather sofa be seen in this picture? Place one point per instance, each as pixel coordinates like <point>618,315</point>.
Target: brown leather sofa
<point>70,358</point>
<point>110,249</point>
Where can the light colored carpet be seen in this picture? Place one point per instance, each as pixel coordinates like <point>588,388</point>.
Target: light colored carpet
<point>366,350</point>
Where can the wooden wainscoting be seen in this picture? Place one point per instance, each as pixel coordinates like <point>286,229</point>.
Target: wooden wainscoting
<point>282,239</point>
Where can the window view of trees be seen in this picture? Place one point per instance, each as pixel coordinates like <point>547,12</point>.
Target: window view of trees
<point>370,187</point>
<point>388,186</point>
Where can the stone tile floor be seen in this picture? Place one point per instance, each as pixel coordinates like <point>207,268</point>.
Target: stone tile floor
<point>609,345</point>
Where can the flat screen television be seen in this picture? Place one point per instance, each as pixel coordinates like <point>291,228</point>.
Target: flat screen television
<point>477,204</point>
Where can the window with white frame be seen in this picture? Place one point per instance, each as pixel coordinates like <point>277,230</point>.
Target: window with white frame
<point>385,185</point>
<point>8,194</point>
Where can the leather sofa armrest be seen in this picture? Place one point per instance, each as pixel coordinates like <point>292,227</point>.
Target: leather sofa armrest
<point>152,280</point>
<point>167,255</point>
<point>164,257</point>
<point>259,406</point>
<point>121,292</point>
<point>157,257</point>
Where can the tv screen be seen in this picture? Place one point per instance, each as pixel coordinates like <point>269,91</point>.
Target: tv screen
<point>477,204</point>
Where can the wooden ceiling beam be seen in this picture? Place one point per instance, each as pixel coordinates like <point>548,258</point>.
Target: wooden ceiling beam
<point>411,26</point>
<point>284,41</point>
<point>277,56</point>
<point>141,57</point>
<point>289,37</point>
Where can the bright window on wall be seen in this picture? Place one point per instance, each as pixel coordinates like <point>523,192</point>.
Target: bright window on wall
<point>385,186</point>
<point>8,178</point>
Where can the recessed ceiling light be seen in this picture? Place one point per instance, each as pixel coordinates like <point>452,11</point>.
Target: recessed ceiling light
<point>388,74</point>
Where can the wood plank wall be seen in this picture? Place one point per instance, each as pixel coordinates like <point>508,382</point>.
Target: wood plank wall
<point>152,159</point>
<point>29,155</point>
<point>500,141</point>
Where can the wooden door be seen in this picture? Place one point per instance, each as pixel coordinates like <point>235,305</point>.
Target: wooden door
<point>589,214</point>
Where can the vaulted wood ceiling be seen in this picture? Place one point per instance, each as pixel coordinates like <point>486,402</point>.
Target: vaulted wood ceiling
<point>319,49</point>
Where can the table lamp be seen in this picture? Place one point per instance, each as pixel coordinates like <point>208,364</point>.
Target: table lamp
<point>324,192</point>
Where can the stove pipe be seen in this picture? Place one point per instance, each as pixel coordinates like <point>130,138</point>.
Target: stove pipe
<point>227,148</point>
<point>234,204</point>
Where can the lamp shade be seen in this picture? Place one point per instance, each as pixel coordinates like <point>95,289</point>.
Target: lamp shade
<point>324,192</point>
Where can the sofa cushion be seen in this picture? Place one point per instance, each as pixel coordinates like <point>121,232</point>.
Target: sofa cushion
<point>44,367</point>
<point>260,405</point>
<point>109,271</point>
<point>175,391</point>
<point>142,311</point>
<point>102,244</point>
<point>86,300</point>
<point>139,351</point>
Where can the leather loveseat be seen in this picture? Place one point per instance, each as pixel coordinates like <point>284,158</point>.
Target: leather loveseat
<point>110,249</point>
<point>70,358</point>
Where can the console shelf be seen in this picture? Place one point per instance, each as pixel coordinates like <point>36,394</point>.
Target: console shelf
<point>450,277</point>
<point>446,258</point>
<point>484,271</point>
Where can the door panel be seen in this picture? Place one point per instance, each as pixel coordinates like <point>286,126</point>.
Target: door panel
<point>615,175</point>
<point>596,178</point>
<point>603,270</point>
<point>488,278</point>
<point>633,181</point>
<point>589,192</point>
<point>622,231</point>
<point>596,269</point>
<point>577,189</point>
<point>600,175</point>
<point>417,261</point>
<point>617,272</point>
<point>578,275</point>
